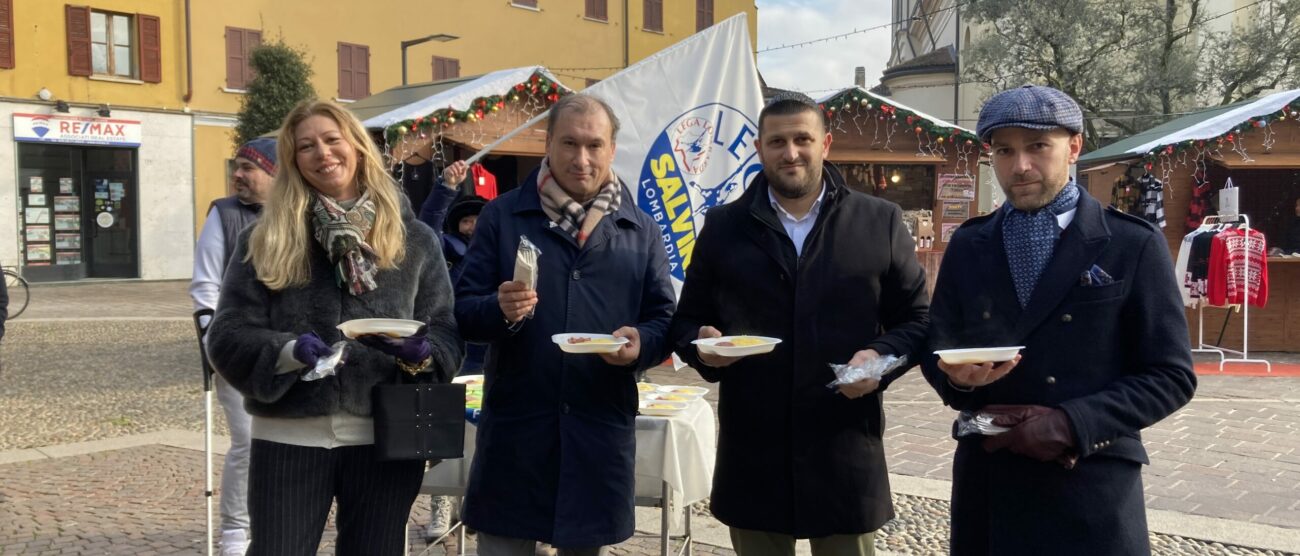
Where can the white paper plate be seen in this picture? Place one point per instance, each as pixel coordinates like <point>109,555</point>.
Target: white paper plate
<point>358,327</point>
<point>975,356</point>
<point>647,387</point>
<point>468,380</point>
<point>711,347</point>
<point>611,346</point>
<point>696,391</point>
<point>667,397</point>
<point>659,408</point>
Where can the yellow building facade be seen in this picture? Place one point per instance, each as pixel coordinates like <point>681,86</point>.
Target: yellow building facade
<point>171,70</point>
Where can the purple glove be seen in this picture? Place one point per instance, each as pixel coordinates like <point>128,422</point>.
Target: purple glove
<point>309,349</point>
<point>411,349</point>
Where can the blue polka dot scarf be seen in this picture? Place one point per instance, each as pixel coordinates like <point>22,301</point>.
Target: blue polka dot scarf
<point>1030,239</point>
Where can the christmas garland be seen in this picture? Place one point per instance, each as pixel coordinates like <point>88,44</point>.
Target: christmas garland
<point>537,87</point>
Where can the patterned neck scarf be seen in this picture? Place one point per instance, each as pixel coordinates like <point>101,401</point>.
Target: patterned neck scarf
<point>1030,239</point>
<point>575,219</point>
<point>342,232</point>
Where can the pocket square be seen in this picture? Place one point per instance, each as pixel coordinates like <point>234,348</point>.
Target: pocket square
<point>1095,277</point>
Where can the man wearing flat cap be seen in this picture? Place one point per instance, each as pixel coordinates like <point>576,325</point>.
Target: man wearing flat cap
<point>1089,292</point>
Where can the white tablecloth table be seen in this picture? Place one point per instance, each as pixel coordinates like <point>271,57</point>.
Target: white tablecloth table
<point>674,461</point>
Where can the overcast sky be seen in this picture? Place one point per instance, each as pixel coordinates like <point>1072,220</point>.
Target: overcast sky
<point>828,65</point>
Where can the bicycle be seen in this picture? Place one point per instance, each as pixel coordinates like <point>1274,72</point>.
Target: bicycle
<point>19,292</point>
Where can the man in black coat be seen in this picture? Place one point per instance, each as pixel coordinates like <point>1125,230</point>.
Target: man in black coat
<point>1090,294</point>
<point>832,273</point>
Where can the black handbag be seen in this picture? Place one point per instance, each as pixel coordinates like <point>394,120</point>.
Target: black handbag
<point>416,419</point>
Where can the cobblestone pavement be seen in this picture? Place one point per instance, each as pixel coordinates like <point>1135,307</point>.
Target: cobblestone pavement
<point>1233,453</point>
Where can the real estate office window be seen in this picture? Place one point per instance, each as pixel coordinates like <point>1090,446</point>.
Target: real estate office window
<point>114,44</point>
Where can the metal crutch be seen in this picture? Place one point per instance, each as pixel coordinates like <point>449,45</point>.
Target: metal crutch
<point>202,331</point>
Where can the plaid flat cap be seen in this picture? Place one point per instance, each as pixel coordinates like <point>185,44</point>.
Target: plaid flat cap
<point>1030,106</point>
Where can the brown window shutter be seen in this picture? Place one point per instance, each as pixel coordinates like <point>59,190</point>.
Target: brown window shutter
<point>360,71</point>
<point>703,14</point>
<point>345,71</point>
<point>6,34</point>
<point>654,15</point>
<point>252,40</point>
<point>236,61</point>
<point>455,67</point>
<point>602,9</point>
<point>78,31</point>
<point>150,48</point>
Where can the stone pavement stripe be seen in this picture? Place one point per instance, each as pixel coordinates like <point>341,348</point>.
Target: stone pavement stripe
<point>189,440</point>
<point>1163,522</point>
<point>98,319</point>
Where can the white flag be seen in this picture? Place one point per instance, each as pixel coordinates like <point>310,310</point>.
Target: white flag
<point>689,117</point>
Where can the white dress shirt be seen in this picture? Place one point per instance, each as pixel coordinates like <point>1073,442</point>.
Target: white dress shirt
<point>797,228</point>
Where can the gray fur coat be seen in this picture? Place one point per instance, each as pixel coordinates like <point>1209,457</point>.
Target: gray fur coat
<point>253,324</point>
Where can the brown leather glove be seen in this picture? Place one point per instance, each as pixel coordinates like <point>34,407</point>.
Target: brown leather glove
<point>1041,433</point>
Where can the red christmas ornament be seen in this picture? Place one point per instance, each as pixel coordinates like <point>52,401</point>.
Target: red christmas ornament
<point>909,121</point>
<point>534,78</point>
<point>1231,138</point>
<point>519,87</point>
<point>1148,165</point>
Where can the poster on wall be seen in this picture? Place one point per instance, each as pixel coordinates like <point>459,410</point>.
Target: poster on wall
<point>67,241</point>
<point>37,215</point>
<point>947,231</point>
<point>956,187</point>
<point>67,222</point>
<point>67,204</point>
<point>36,200</point>
<point>38,251</point>
<point>68,258</point>
<point>952,210</point>
<point>65,186</point>
<point>38,233</point>
<point>116,190</point>
<point>36,184</point>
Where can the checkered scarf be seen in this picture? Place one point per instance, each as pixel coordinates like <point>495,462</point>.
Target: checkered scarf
<point>576,219</point>
<point>343,235</point>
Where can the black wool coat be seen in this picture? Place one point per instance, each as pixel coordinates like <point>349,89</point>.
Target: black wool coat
<point>795,457</point>
<point>1115,357</point>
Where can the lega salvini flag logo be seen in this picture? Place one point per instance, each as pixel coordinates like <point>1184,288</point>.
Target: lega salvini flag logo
<point>703,158</point>
<point>688,131</point>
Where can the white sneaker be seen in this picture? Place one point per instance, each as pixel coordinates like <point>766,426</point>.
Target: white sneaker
<point>440,522</point>
<point>234,542</point>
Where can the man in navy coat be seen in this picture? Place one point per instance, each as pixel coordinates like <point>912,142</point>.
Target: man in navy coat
<point>1090,294</point>
<point>557,435</point>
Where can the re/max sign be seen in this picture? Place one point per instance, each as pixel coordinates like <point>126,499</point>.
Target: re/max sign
<point>50,128</point>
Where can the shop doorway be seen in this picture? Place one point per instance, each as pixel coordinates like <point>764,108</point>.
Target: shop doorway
<point>78,212</point>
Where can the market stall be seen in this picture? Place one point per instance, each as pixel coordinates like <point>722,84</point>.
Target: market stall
<point>928,166</point>
<point>424,126</point>
<point>1174,176</point>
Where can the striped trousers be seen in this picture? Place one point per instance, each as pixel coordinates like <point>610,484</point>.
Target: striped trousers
<point>291,488</point>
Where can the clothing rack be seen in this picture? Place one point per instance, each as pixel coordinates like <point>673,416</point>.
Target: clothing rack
<point>1202,347</point>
